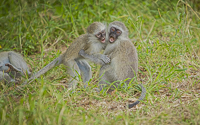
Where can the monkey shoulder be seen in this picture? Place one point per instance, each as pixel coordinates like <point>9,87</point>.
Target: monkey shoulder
<point>74,48</point>
<point>78,43</point>
<point>126,46</point>
<point>82,38</point>
<point>126,52</point>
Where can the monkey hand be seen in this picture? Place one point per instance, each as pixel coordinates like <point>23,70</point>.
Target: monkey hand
<point>105,58</point>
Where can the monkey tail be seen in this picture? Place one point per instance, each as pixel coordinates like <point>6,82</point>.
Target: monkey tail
<point>141,97</point>
<point>55,62</point>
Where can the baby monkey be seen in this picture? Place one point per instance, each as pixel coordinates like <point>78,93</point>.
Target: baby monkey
<point>92,43</point>
<point>123,59</point>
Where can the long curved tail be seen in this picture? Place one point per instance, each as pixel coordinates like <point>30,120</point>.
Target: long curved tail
<point>55,62</point>
<point>141,97</point>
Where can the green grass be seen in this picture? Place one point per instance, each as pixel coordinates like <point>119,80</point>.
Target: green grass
<point>165,33</point>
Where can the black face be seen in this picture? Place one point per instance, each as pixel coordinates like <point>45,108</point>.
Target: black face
<point>114,34</point>
<point>101,36</point>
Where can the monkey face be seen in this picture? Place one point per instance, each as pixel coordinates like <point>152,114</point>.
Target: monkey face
<point>101,36</point>
<point>114,34</point>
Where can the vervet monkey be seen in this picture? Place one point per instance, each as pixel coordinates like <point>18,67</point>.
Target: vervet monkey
<point>123,58</point>
<point>12,65</point>
<point>92,43</point>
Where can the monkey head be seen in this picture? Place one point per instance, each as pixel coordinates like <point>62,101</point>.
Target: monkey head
<point>116,31</point>
<point>98,30</point>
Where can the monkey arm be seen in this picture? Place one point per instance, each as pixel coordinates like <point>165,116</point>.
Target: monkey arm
<point>96,58</point>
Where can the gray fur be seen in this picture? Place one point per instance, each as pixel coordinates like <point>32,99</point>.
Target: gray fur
<point>12,65</point>
<point>73,61</point>
<point>123,61</point>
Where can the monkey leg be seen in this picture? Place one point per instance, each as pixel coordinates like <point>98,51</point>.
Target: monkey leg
<point>5,77</point>
<point>103,75</point>
<point>85,69</point>
<point>107,77</point>
<point>74,72</point>
<point>102,83</point>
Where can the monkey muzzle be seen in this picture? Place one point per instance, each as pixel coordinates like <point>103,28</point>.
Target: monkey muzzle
<point>112,38</point>
<point>103,40</point>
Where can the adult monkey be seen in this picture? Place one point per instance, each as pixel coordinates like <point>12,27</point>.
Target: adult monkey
<point>123,56</point>
<point>92,43</point>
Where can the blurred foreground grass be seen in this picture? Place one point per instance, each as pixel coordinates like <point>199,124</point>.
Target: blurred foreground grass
<point>166,34</point>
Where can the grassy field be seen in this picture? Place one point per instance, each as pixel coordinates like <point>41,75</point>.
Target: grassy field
<point>165,33</point>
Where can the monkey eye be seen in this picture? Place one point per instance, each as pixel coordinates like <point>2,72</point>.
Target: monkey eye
<point>98,35</point>
<point>112,29</point>
<point>103,31</point>
<point>119,32</point>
